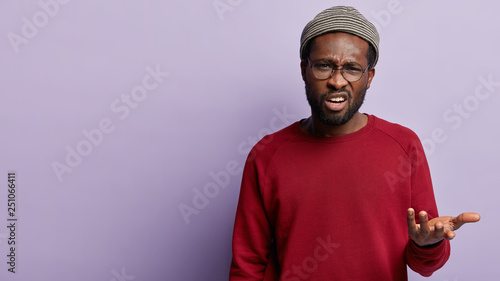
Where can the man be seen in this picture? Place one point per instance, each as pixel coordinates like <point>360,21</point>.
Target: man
<point>335,196</point>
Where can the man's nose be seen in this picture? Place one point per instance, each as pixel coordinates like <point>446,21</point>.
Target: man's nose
<point>337,81</point>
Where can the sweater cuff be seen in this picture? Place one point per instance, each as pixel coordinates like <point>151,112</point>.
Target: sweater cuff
<point>428,246</point>
<point>425,260</point>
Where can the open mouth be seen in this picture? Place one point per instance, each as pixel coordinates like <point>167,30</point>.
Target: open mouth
<point>336,103</point>
<point>337,100</point>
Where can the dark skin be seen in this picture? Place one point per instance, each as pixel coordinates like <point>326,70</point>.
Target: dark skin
<point>339,49</point>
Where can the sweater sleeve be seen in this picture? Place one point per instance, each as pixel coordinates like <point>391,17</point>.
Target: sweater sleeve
<point>423,260</point>
<point>252,235</point>
<point>427,260</point>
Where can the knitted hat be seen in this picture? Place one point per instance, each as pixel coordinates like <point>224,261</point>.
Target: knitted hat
<point>340,19</point>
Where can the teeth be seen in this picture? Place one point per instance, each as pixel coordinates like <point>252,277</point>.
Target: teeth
<point>337,99</point>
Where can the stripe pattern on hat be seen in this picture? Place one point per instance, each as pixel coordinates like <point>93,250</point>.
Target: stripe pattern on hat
<point>340,19</point>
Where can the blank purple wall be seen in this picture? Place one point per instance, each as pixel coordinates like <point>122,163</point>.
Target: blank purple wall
<point>115,115</point>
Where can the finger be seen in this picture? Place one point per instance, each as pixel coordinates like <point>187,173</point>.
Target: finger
<point>449,235</point>
<point>410,219</point>
<point>425,229</point>
<point>439,230</point>
<point>465,218</point>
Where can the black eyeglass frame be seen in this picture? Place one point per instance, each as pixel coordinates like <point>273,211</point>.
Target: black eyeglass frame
<point>341,71</point>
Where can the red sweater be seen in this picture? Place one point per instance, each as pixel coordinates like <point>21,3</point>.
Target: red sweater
<point>334,208</point>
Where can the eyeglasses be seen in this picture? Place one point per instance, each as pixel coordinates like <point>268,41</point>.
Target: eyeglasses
<point>323,70</point>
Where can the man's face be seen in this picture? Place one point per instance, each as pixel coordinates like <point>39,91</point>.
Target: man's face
<point>335,101</point>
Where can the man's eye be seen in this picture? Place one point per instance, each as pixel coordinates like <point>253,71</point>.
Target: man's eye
<point>352,68</point>
<point>323,66</point>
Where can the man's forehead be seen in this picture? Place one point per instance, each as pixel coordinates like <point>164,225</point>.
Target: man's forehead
<point>335,42</point>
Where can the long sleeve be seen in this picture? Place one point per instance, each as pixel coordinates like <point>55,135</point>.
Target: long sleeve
<point>427,260</point>
<point>252,236</point>
<point>424,260</point>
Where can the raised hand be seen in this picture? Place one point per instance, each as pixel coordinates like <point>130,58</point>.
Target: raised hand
<point>430,232</point>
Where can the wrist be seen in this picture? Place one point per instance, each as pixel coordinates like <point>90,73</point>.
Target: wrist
<point>430,246</point>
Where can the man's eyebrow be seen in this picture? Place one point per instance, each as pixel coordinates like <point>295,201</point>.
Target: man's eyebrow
<point>332,63</point>
<point>323,60</point>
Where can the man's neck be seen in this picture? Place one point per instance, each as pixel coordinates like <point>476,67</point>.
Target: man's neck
<point>315,127</point>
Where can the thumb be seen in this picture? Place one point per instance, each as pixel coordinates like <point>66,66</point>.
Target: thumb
<point>465,218</point>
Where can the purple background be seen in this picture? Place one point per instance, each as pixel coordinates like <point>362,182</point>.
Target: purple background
<point>231,75</point>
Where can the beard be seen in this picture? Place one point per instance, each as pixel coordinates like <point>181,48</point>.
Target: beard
<point>334,118</point>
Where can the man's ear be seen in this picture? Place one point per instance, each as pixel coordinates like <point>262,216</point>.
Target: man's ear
<point>303,69</point>
<point>371,74</point>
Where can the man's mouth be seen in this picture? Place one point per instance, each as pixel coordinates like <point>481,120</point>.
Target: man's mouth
<point>336,102</point>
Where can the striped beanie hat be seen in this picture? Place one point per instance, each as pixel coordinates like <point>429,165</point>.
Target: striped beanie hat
<point>340,19</point>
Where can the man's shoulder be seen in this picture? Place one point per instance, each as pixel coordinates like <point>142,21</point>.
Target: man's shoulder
<point>399,133</point>
<point>393,128</point>
<point>270,143</point>
<point>283,135</point>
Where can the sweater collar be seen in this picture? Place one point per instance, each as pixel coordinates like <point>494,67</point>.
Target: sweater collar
<point>352,136</point>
